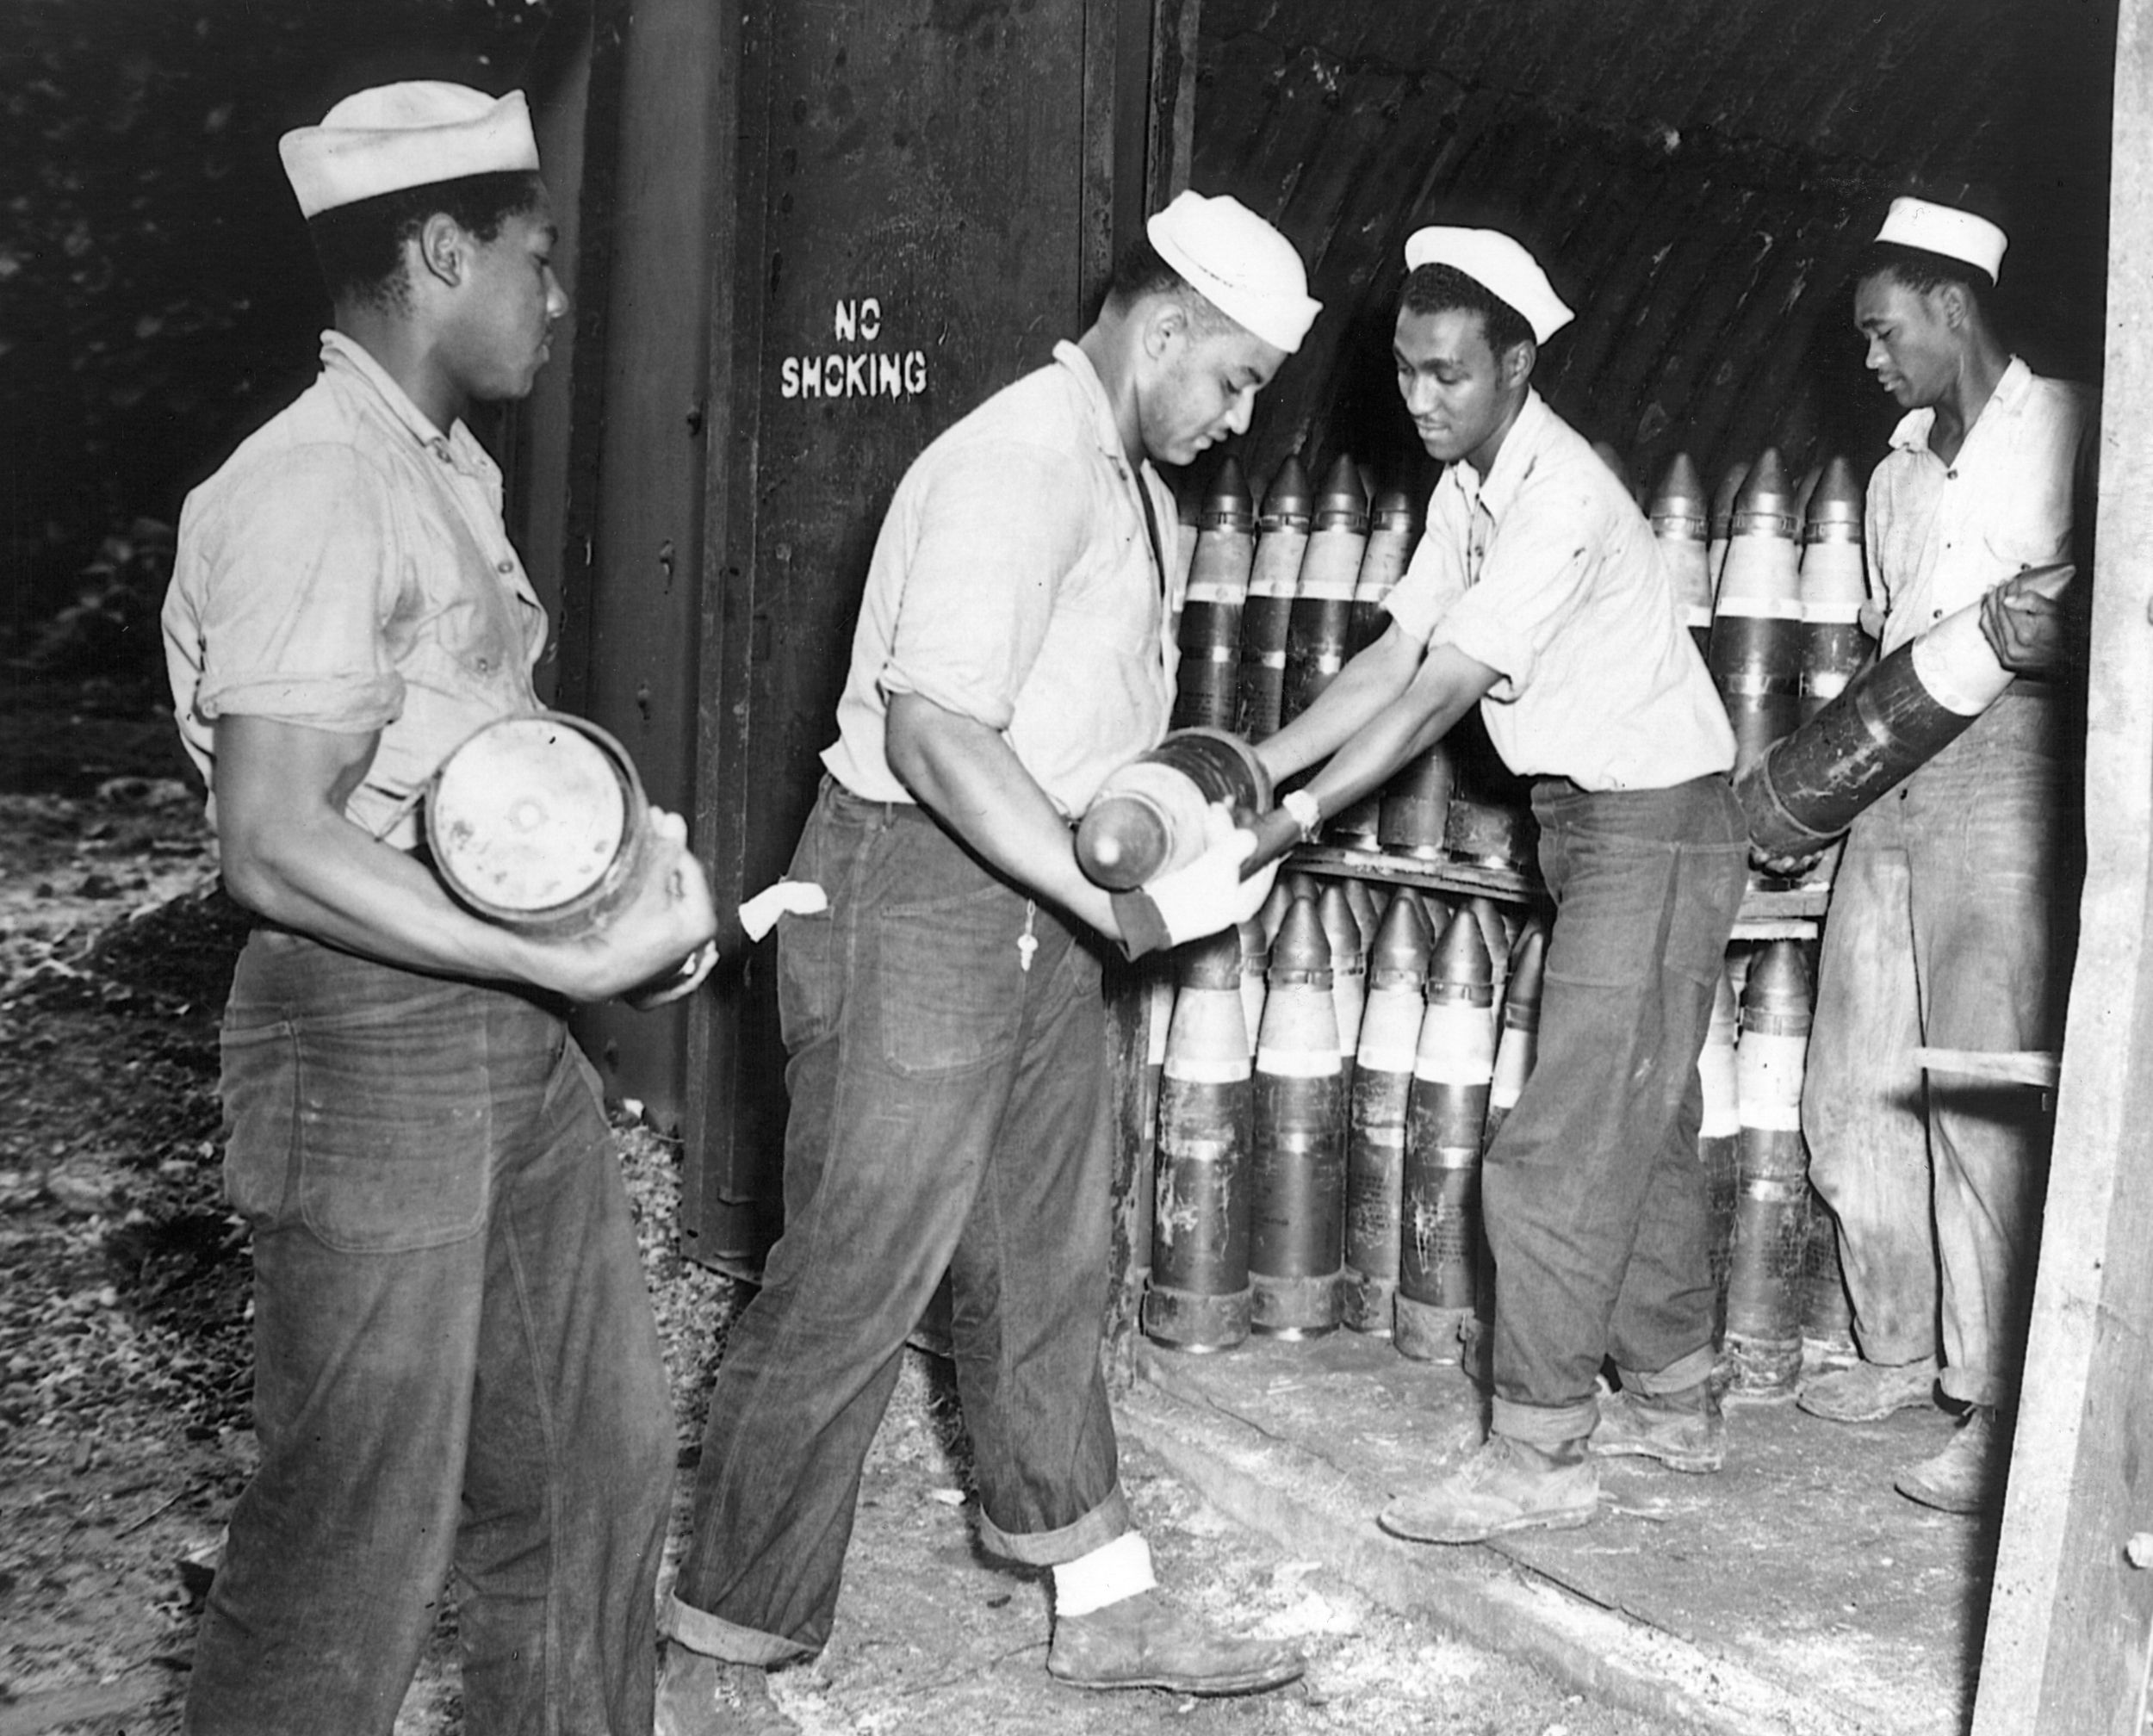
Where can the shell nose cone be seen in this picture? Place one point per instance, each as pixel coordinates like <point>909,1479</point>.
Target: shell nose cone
<point>1460,956</point>
<point>1528,964</point>
<point>1345,502</point>
<point>1401,939</point>
<point>1765,493</point>
<point>1290,498</point>
<point>1681,491</point>
<point>1394,509</point>
<point>1340,930</point>
<point>1300,943</point>
<point>1837,498</point>
<point>1723,497</point>
<point>1227,502</point>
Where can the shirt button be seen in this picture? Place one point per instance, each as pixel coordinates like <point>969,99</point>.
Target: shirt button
<point>504,566</point>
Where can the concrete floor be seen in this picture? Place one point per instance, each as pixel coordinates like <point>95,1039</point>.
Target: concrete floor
<point>1794,1591</point>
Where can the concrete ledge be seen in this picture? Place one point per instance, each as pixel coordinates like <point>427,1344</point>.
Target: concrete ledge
<point>1316,1511</point>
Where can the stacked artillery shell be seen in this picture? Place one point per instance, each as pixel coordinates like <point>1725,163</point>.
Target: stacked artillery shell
<point>1366,911</point>
<point>1446,1110</point>
<point>1282,540</point>
<point>1272,914</point>
<point>1158,1011</point>
<point>1828,1312</point>
<point>1188,526</point>
<point>1209,635</point>
<point>1719,1141</point>
<point>1322,614</point>
<point>1376,1137</point>
<point>1256,965</point>
<point>1148,816</point>
<point>1772,1207</point>
<point>1834,586</point>
<point>1723,520</point>
<point>1756,648</point>
<point>1297,1227</point>
<point>1394,527</point>
<point>1489,818</point>
<point>1197,1295</point>
<point>1679,516</point>
<point>1496,936</point>
<point>1416,804</point>
<point>1517,1039</point>
<point>1348,972</point>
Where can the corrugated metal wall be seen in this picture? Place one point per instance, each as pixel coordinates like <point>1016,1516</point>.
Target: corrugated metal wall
<point>1696,174</point>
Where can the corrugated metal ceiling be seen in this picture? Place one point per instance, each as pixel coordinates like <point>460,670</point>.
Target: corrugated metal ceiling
<point>1696,174</point>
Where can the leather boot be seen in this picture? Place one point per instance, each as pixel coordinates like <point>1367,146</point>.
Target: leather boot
<point>1507,1485</point>
<point>1146,1642</point>
<point>1868,1391</point>
<point>1968,1475</point>
<point>699,1696</point>
<point>1683,1430</point>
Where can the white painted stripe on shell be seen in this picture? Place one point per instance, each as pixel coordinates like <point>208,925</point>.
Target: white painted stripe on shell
<point>1203,1069</point>
<point>1297,1063</point>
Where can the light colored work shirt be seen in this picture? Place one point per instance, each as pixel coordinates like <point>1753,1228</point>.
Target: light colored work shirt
<point>1941,536</point>
<point>1017,582</point>
<point>1545,571</point>
<point>347,569</point>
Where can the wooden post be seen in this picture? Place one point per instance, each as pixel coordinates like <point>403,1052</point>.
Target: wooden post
<point>2066,1653</point>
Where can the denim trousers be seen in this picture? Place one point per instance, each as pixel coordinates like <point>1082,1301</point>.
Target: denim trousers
<point>949,1112</point>
<point>1952,924</point>
<point>456,1368</point>
<point>1593,1198</point>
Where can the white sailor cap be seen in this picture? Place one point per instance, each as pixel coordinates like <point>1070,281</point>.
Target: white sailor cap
<point>1946,230</point>
<point>1239,263</point>
<point>395,136</point>
<point>1498,264</point>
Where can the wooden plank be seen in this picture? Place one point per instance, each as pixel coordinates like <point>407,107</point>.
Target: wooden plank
<point>2017,1067</point>
<point>2066,1652</point>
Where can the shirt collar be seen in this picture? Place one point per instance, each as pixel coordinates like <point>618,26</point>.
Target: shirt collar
<point>1104,429</point>
<point>2012,385</point>
<point>1513,458</point>
<point>344,355</point>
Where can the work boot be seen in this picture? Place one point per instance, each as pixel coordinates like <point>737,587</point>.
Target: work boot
<point>1683,1430</point>
<point>1505,1487</point>
<point>699,1696</point>
<point>1146,1642</point>
<point>1967,1476</point>
<point>1868,1391</point>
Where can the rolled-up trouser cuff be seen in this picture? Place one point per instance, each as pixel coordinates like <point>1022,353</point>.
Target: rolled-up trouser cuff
<point>1105,1522</point>
<point>1678,1376</point>
<point>1972,1386</point>
<point>1544,1425</point>
<point>715,1637</point>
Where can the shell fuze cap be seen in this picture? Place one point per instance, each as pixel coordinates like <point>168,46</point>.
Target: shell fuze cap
<point>395,136</point>
<point>1500,266</point>
<point>1946,230</point>
<point>1239,263</point>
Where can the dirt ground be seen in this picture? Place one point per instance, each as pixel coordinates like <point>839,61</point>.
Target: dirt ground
<point>124,1362</point>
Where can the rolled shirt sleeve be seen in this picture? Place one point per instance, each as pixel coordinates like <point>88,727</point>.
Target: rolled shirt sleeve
<point>292,627</point>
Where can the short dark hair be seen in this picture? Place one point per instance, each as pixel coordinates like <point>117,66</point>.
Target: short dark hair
<point>1142,270</point>
<point>1444,288</point>
<point>1921,271</point>
<point>360,246</point>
